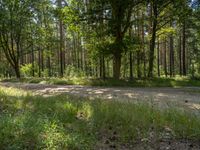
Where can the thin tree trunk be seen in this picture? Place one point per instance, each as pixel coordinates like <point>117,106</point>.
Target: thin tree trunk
<point>116,65</point>
<point>158,58</point>
<point>33,61</point>
<point>39,62</point>
<point>171,56</point>
<point>138,65</point>
<point>183,54</point>
<point>165,57</point>
<point>180,55</point>
<point>42,60</point>
<point>61,42</point>
<point>131,65</point>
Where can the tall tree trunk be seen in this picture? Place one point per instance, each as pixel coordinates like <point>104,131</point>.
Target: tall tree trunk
<point>153,39</point>
<point>104,67</point>
<point>49,65</point>
<point>39,62</point>
<point>100,67</point>
<point>116,65</point>
<point>32,54</point>
<point>102,72</point>
<point>61,42</point>
<point>143,45</point>
<point>165,57</point>
<point>33,60</point>
<point>171,56</point>
<point>180,54</point>
<point>42,60</point>
<point>117,55</point>
<point>131,66</point>
<point>130,58</point>
<point>158,58</point>
<point>17,71</point>
<point>184,51</point>
<point>138,65</point>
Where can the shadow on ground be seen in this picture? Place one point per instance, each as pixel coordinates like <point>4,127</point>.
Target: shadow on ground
<point>68,122</point>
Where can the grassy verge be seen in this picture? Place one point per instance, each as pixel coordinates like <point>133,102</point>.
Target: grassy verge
<point>155,82</point>
<point>64,122</point>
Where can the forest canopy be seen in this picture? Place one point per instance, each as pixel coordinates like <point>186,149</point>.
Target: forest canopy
<point>99,38</point>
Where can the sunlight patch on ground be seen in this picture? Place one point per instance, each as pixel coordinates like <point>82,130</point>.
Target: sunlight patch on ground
<point>194,106</point>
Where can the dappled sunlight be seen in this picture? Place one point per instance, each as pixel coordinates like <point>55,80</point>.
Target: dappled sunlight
<point>85,113</point>
<point>131,95</point>
<point>194,106</point>
<point>98,92</point>
<point>109,96</point>
<point>53,135</point>
<point>162,97</point>
<point>62,121</point>
<point>13,91</point>
<point>40,122</point>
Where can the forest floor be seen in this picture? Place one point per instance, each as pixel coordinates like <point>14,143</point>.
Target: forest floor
<point>184,98</point>
<point>164,97</point>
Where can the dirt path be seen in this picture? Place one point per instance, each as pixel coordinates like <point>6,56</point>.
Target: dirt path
<point>187,96</point>
<point>179,97</point>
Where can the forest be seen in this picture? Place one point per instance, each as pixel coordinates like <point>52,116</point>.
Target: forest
<point>99,38</point>
<point>100,74</point>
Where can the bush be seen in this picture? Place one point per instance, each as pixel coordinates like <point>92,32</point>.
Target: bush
<point>72,71</point>
<point>26,69</point>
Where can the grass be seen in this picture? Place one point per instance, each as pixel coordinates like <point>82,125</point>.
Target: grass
<point>65,122</point>
<point>155,82</point>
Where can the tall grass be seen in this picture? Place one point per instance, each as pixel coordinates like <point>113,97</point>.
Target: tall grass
<point>155,82</point>
<point>65,122</point>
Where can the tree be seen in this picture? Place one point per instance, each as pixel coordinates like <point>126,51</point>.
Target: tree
<point>120,22</point>
<point>14,19</point>
<point>158,19</point>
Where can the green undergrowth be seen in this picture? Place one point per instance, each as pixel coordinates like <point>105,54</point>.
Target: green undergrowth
<point>154,82</point>
<point>65,122</point>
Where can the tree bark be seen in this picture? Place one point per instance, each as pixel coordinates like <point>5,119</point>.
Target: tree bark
<point>171,56</point>
<point>153,40</point>
<point>131,66</point>
<point>180,55</point>
<point>116,65</point>
<point>17,71</point>
<point>183,54</point>
<point>33,60</point>
<point>165,57</point>
<point>138,65</point>
<point>39,62</point>
<point>158,58</point>
<point>61,42</point>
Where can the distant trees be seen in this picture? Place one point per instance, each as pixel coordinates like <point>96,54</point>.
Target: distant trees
<point>107,38</point>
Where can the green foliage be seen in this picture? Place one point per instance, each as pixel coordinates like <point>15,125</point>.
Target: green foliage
<point>132,43</point>
<point>81,80</point>
<point>72,16</point>
<point>165,32</point>
<point>72,71</point>
<point>26,70</point>
<point>63,122</point>
<point>4,68</point>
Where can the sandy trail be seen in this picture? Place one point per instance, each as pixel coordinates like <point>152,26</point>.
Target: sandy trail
<point>187,96</point>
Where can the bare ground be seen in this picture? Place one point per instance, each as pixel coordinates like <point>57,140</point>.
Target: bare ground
<point>185,97</point>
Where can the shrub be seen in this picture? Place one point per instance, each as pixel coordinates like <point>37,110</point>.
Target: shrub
<point>72,71</point>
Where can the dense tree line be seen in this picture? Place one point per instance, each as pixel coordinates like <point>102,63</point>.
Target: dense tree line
<point>99,38</point>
